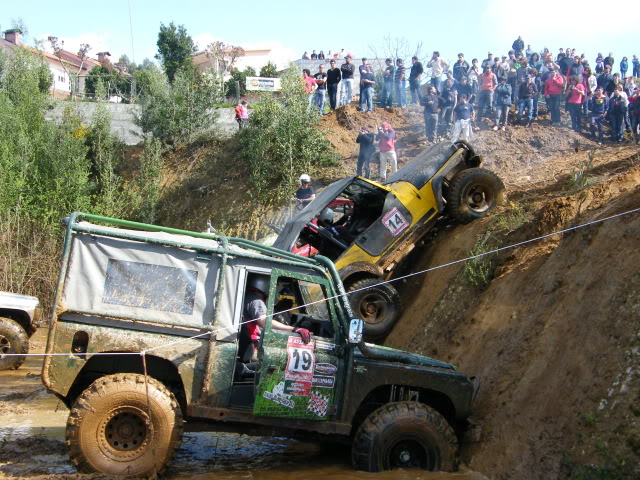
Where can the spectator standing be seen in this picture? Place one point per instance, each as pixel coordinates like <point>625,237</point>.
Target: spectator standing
<point>636,66</point>
<point>387,146</point>
<point>367,81</point>
<point>590,83</point>
<point>465,88</point>
<point>347,69</point>
<point>617,112</point>
<point>438,66</point>
<point>314,55</point>
<point>474,76</point>
<point>305,56</point>
<point>565,62</point>
<point>488,62</point>
<point>634,114</point>
<point>450,97</point>
<point>609,60</point>
<point>431,104</point>
<point>624,66</point>
<point>462,116</point>
<point>605,78</point>
<point>334,76</point>
<point>518,46</point>
<point>629,86</point>
<point>599,63</point>
<point>488,83</point>
<point>321,55</point>
<point>363,66</point>
<point>539,87</point>
<point>309,85</point>
<point>242,115</point>
<point>365,139</point>
<point>528,91</point>
<point>512,76</point>
<point>613,84</point>
<point>415,75</point>
<point>460,68</point>
<point>387,84</point>
<point>576,94</point>
<point>400,83</point>
<point>321,91</point>
<point>534,62</point>
<point>503,102</point>
<point>598,108</point>
<point>575,69</point>
<point>553,89</point>
<point>529,53</point>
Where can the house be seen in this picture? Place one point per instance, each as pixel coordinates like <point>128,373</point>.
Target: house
<point>61,65</point>
<point>255,57</point>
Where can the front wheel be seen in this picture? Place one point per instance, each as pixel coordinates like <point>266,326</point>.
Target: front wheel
<point>473,193</point>
<point>13,340</point>
<point>109,429</point>
<point>405,435</point>
<point>377,304</point>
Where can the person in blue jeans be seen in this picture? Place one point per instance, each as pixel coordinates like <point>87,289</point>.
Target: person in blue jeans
<point>598,108</point>
<point>365,139</point>
<point>527,92</point>
<point>503,102</point>
<point>387,84</point>
<point>367,81</point>
<point>400,83</point>
<point>624,66</point>
<point>636,66</point>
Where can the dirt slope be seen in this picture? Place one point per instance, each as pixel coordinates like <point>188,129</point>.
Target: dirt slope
<point>555,336</point>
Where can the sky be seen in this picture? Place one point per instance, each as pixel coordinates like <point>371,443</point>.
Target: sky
<point>292,27</point>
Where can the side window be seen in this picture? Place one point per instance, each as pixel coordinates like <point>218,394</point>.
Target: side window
<point>301,303</point>
<point>386,229</point>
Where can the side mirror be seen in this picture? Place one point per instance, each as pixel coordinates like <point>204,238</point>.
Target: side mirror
<point>355,330</point>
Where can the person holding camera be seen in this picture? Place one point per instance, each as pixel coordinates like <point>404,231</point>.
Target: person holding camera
<point>365,139</point>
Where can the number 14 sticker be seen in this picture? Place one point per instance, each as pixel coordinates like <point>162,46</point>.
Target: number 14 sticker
<point>395,222</point>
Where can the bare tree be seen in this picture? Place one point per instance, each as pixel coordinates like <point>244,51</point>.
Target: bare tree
<point>57,46</point>
<point>223,56</point>
<point>395,47</point>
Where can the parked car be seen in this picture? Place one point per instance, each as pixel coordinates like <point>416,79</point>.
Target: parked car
<point>19,316</point>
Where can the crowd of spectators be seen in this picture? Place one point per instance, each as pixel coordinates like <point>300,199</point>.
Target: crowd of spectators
<point>514,85</point>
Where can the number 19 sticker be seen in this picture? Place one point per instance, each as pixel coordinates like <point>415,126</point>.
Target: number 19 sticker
<point>301,362</point>
<point>395,222</point>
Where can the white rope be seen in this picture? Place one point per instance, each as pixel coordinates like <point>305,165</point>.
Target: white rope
<point>449,264</point>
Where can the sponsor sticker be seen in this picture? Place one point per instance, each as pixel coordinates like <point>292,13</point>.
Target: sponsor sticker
<point>325,346</point>
<point>395,222</point>
<point>318,404</point>
<point>324,381</point>
<point>325,369</point>
<point>278,396</point>
<point>297,389</point>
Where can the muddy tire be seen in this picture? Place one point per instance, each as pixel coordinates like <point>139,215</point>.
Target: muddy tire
<point>13,340</point>
<point>377,305</point>
<point>405,435</point>
<point>473,193</point>
<point>108,429</point>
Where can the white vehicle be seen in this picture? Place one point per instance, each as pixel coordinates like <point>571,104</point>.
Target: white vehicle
<point>19,315</point>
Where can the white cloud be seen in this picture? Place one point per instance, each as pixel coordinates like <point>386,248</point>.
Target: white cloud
<point>99,42</point>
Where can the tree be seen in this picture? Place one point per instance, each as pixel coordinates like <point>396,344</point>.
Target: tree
<point>397,47</point>
<point>128,66</point>
<point>241,78</point>
<point>115,83</point>
<point>269,70</point>
<point>175,48</point>
<point>223,57</point>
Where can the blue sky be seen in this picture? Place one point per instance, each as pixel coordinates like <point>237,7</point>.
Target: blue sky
<point>473,27</point>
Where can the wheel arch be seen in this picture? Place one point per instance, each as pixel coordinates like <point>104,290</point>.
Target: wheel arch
<point>159,368</point>
<point>389,393</point>
<point>21,317</point>
<point>357,271</point>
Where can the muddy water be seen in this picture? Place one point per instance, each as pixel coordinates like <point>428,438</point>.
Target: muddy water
<point>32,425</point>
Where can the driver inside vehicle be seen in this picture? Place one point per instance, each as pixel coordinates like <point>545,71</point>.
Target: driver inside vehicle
<point>339,228</point>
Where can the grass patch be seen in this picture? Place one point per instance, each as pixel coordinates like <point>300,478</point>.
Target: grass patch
<point>579,177</point>
<point>479,271</point>
<point>512,219</point>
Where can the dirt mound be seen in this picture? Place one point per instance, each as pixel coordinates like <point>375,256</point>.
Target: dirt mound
<point>554,337</point>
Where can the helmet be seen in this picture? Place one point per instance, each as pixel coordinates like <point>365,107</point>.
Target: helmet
<point>305,178</point>
<point>259,282</point>
<point>326,216</point>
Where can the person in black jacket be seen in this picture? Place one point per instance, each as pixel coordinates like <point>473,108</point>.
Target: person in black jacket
<point>518,46</point>
<point>414,81</point>
<point>365,139</point>
<point>431,104</point>
<point>333,79</point>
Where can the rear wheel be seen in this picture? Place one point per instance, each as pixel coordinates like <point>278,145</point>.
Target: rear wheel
<point>13,341</point>
<point>473,193</point>
<point>109,429</point>
<point>378,305</point>
<point>405,435</point>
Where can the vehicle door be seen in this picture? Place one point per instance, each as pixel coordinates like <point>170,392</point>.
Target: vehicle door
<point>297,380</point>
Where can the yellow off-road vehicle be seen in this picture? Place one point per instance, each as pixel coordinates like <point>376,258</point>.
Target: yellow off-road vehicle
<point>368,228</point>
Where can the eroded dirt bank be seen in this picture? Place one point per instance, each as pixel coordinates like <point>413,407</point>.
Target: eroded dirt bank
<point>554,337</point>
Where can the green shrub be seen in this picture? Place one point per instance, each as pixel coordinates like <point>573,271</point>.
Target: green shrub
<point>283,141</point>
<point>479,271</point>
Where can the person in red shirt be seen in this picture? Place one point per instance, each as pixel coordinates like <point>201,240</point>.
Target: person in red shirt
<point>576,94</point>
<point>488,83</point>
<point>309,84</point>
<point>553,89</point>
<point>387,146</point>
<point>242,115</point>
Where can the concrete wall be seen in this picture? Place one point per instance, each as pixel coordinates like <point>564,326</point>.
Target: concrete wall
<point>123,119</point>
